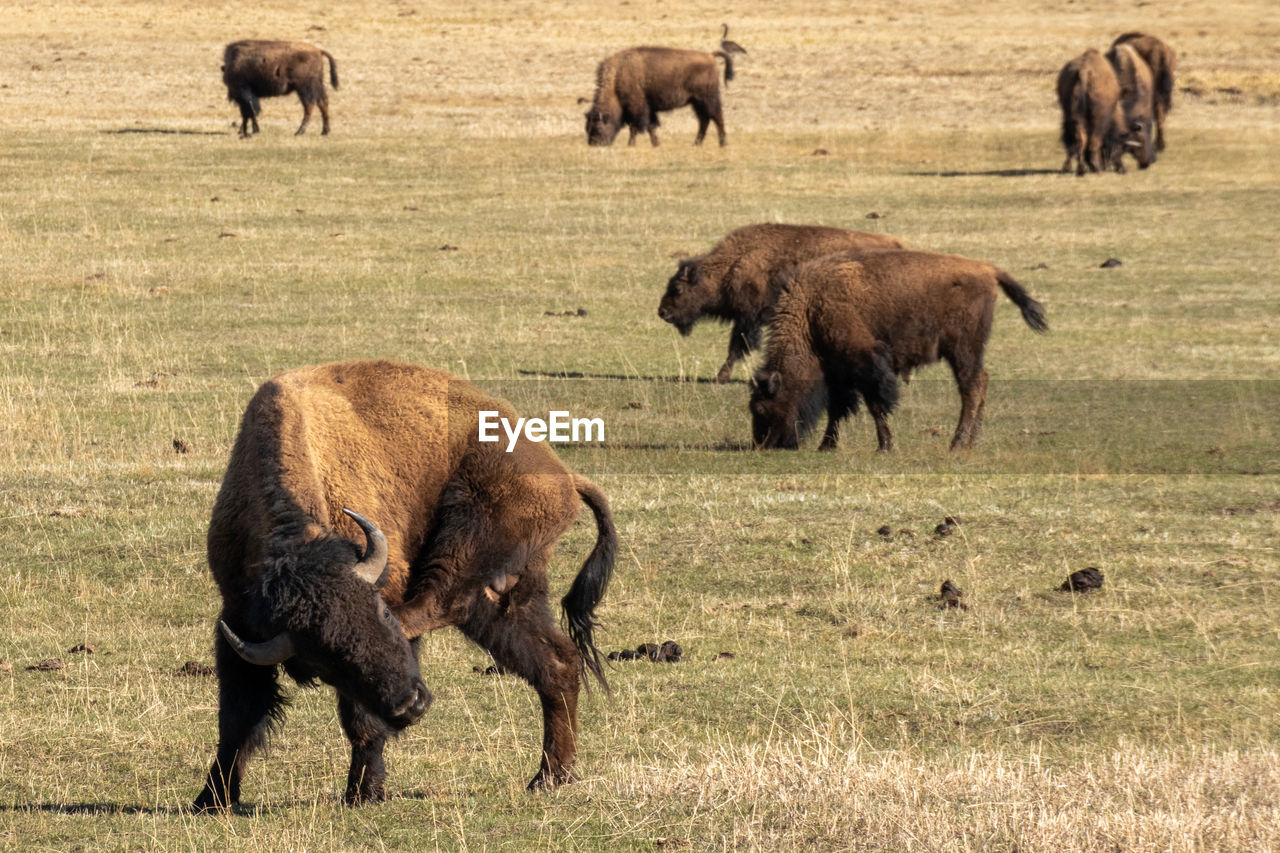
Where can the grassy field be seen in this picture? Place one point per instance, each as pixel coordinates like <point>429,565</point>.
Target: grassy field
<point>154,269</point>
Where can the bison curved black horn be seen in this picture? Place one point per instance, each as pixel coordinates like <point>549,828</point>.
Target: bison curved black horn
<point>373,566</point>
<point>269,653</point>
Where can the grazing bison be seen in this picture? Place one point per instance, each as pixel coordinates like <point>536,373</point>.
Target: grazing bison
<point>1092,118</point>
<point>738,281</point>
<point>848,325</point>
<point>459,534</point>
<point>636,84</point>
<point>1137,101</point>
<point>254,69</point>
<point>1163,61</point>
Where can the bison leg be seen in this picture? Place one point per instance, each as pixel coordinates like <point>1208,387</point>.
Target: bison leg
<point>306,115</point>
<point>323,103</point>
<point>744,338</point>
<point>840,404</point>
<point>249,109</point>
<point>368,736</point>
<point>249,702</point>
<point>523,639</point>
<point>972,381</point>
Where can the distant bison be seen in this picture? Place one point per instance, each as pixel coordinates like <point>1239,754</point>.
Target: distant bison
<point>1092,119</point>
<point>254,69</point>
<point>458,533</point>
<point>1163,61</point>
<point>634,85</point>
<point>1137,101</point>
<point>848,325</point>
<point>738,281</point>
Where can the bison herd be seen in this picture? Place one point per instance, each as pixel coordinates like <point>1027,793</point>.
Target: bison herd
<point>360,511</point>
<point>1116,104</point>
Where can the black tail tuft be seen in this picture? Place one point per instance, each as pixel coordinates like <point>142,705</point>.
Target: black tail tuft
<point>588,587</point>
<point>1032,311</point>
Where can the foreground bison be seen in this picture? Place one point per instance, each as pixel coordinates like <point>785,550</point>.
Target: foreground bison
<point>254,69</point>
<point>1137,102</point>
<point>459,534</point>
<point>1093,126</point>
<point>1163,61</point>
<point>738,281</point>
<point>634,85</point>
<point>848,325</point>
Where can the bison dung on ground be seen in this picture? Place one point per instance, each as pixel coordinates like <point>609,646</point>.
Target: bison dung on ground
<point>460,535</point>
<point>848,325</point>
<point>256,68</point>
<point>738,281</point>
<point>634,85</point>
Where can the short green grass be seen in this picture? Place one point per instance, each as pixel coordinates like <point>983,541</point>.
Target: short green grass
<point>150,280</point>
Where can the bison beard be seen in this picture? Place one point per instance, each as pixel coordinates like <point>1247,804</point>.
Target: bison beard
<point>848,325</point>
<point>463,537</point>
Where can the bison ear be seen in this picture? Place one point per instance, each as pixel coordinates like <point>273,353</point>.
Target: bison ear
<point>692,272</point>
<point>773,383</point>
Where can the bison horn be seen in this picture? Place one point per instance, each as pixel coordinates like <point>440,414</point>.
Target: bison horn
<point>276,650</point>
<point>373,566</point>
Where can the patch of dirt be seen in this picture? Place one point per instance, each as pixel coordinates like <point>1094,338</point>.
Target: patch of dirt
<point>195,669</point>
<point>1269,508</point>
<point>47,665</point>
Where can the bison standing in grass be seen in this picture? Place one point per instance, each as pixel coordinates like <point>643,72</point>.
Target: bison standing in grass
<point>1163,61</point>
<point>1137,101</point>
<point>848,325</point>
<point>254,69</point>
<point>457,533</point>
<point>1092,118</point>
<point>738,281</point>
<point>636,84</point>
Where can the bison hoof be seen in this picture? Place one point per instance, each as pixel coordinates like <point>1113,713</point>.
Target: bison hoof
<point>363,798</point>
<point>546,780</point>
<point>724,375</point>
<point>209,803</point>
<point>828,445</point>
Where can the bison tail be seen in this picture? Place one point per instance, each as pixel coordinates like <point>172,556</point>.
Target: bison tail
<point>728,65</point>
<point>588,587</point>
<point>1032,311</point>
<point>333,69</point>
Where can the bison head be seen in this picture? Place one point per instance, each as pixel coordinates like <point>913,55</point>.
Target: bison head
<point>1140,142</point>
<point>687,298</point>
<point>784,409</point>
<point>332,624</point>
<point>602,127</point>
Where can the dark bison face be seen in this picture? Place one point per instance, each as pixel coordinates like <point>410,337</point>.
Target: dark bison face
<point>775,413</point>
<point>334,626</point>
<point>602,128</point>
<point>1140,142</point>
<point>686,299</point>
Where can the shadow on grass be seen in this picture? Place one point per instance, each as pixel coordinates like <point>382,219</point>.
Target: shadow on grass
<point>574,374</point>
<point>718,447</point>
<point>94,809</point>
<point>992,173</point>
<point>167,130</point>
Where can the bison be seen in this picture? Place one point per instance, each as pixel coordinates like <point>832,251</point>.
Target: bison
<point>738,281</point>
<point>1163,61</point>
<point>459,533</point>
<point>634,85</point>
<point>848,325</point>
<point>1137,101</point>
<point>255,68</point>
<point>1092,119</point>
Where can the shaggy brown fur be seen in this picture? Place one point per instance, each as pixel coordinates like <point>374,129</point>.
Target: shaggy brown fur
<point>1163,62</point>
<point>738,281</point>
<point>1092,118</point>
<point>848,325</point>
<point>254,69</point>
<point>1137,100</point>
<point>636,84</point>
<point>469,532</point>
